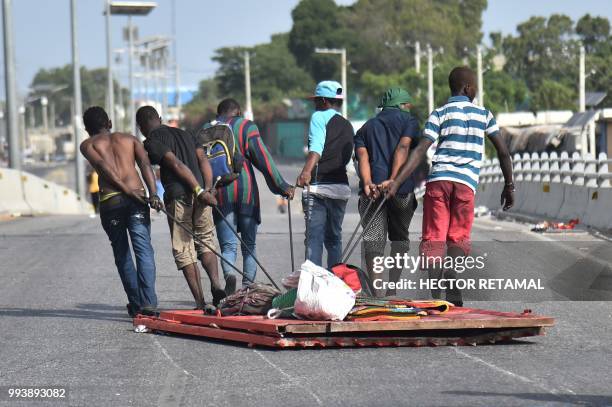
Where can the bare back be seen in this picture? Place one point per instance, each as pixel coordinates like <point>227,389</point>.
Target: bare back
<point>116,152</point>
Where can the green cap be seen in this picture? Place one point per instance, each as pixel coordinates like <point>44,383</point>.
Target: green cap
<point>394,97</point>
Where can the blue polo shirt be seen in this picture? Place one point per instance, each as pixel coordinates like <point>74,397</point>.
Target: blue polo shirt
<point>380,136</point>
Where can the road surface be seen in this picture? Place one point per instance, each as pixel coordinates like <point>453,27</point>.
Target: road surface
<point>63,323</point>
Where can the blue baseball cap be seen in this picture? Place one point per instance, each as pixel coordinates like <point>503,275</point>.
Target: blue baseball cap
<point>329,89</point>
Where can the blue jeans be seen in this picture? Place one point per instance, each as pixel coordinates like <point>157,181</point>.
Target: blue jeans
<point>124,220</point>
<point>247,227</point>
<point>323,218</point>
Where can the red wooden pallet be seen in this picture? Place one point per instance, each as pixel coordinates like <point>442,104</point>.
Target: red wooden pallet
<point>458,326</point>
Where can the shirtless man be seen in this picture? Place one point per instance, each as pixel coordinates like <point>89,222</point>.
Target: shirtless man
<point>123,210</point>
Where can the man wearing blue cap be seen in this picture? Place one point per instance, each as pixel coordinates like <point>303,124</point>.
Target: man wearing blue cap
<point>330,146</point>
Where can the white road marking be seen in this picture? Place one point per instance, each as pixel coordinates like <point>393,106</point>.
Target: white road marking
<point>167,355</point>
<point>290,378</point>
<point>523,379</point>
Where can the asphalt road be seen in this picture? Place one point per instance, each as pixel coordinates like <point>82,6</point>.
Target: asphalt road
<point>63,323</point>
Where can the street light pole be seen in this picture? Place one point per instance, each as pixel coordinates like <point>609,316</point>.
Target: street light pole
<point>481,92</point>
<point>177,82</point>
<point>248,112</point>
<point>110,90</point>
<point>131,110</point>
<point>78,104</point>
<point>430,88</point>
<point>12,117</point>
<point>582,81</point>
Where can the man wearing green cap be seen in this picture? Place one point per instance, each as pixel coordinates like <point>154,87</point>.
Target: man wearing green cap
<point>381,147</point>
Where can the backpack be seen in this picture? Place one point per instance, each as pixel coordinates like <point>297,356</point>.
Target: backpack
<point>222,152</point>
<point>255,299</point>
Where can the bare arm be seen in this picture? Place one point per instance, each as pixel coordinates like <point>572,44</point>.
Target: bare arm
<point>205,168</point>
<point>311,160</point>
<point>505,162</point>
<point>400,155</point>
<point>391,185</point>
<point>142,159</point>
<point>365,172</point>
<point>183,172</point>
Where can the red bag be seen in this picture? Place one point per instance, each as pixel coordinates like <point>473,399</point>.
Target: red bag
<point>349,274</point>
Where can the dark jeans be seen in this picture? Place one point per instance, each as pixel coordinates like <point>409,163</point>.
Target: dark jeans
<point>121,217</point>
<point>324,218</point>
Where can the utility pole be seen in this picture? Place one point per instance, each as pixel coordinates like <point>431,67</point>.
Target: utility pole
<point>12,116</point>
<point>44,102</point>
<point>343,63</point>
<point>582,80</point>
<point>177,81</point>
<point>110,90</point>
<point>131,110</point>
<point>584,137</point>
<point>78,104</point>
<point>417,56</point>
<point>248,112</point>
<point>430,88</point>
<point>481,92</point>
<point>344,90</point>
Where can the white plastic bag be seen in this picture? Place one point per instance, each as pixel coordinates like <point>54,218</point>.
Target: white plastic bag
<point>321,295</point>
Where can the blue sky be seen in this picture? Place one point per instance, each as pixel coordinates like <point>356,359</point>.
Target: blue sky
<point>42,28</point>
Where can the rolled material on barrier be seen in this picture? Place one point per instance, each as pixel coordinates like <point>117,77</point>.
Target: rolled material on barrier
<point>12,200</point>
<point>575,202</point>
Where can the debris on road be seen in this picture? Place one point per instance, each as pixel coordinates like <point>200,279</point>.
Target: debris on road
<point>547,226</point>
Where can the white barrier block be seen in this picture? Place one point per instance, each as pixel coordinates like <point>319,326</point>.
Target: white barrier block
<point>575,202</point>
<point>12,200</point>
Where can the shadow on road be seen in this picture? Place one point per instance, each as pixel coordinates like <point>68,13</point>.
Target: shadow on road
<point>569,399</point>
<point>82,311</point>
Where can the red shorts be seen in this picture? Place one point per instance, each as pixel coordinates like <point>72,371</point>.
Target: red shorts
<point>448,214</point>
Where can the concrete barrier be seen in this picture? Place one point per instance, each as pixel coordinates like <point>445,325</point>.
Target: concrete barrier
<point>12,200</point>
<point>22,193</point>
<point>38,194</point>
<point>533,187</point>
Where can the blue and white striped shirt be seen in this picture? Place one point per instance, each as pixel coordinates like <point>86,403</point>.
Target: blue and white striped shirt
<point>459,127</point>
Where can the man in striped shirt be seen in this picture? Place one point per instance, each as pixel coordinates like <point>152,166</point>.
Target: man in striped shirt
<point>239,201</point>
<point>459,128</point>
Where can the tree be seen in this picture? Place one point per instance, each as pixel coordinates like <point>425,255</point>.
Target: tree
<point>552,95</point>
<point>93,88</point>
<point>593,32</point>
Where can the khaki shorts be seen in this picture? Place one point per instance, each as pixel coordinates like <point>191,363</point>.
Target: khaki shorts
<point>198,218</point>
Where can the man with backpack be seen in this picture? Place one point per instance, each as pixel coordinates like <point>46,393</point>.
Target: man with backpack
<point>324,177</point>
<point>188,196</point>
<point>234,146</point>
<point>382,146</point>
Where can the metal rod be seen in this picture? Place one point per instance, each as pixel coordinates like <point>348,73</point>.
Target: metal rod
<point>242,242</point>
<point>291,235</point>
<point>203,243</point>
<point>348,244</point>
<point>365,228</point>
